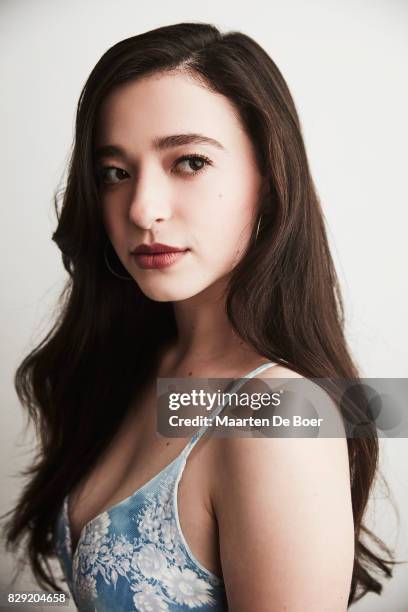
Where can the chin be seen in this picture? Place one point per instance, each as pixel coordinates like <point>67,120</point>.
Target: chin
<point>174,292</point>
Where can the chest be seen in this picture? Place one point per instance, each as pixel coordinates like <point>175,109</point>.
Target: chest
<point>137,454</point>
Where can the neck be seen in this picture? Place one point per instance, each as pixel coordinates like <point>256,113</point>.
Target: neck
<point>206,343</point>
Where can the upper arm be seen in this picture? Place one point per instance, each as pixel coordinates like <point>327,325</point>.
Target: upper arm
<point>286,532</point>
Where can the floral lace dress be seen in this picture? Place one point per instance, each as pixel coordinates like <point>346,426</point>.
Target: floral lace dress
<point>134,556</point>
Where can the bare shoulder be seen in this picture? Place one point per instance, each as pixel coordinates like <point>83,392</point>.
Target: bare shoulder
<point>285,505</point>
<point>278,370</point>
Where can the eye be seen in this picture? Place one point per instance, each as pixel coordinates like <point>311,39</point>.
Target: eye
<point>195,163</point>
<point>107,175</point>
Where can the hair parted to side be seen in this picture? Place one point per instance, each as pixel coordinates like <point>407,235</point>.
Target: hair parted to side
<point>283,297</point>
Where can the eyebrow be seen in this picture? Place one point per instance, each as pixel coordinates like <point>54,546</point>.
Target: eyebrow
<point>161,143</point>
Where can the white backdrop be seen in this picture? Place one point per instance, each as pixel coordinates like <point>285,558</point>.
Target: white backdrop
<point>345,63</point>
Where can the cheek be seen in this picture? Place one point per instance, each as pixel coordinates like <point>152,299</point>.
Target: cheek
<point>231,222</point>
<point>223,221</point>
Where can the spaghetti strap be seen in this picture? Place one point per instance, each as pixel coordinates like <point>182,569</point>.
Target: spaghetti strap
<point>212,578</point>
<point>235,386</point>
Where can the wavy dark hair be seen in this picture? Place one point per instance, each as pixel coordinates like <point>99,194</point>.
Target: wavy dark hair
<point>283,296</point>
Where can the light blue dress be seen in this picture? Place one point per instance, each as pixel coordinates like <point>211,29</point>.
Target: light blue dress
<point>134,556</point>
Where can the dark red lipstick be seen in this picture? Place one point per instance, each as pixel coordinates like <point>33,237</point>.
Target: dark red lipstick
<point>157,255</point>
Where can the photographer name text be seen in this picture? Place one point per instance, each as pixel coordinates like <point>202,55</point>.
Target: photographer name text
<point>228,421</point>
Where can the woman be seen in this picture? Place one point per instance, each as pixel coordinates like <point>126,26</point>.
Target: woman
<point>188,143</point>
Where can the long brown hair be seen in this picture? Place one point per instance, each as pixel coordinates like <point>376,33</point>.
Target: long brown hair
<point>283,297</point>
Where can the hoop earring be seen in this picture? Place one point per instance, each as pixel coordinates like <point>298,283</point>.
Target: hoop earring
<point>257,229</point>
<point>105,254</point>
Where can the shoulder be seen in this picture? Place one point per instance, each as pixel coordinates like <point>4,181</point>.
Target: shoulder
<point>266,454</point>
<point>271,370</point>
<point>277,370</point>
<point>285,505</point>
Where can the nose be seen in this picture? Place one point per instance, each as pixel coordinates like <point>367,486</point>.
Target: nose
<point>150,197</point>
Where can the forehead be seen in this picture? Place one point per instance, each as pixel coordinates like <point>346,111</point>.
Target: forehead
<point>165,104</point>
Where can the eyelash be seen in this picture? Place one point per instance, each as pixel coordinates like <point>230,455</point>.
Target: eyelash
<point>203,158</point>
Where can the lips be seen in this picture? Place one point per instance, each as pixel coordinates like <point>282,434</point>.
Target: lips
<point>156,247</point>
<point>157,255</point>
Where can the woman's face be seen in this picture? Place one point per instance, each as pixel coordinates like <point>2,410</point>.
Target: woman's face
<point>162,183</point>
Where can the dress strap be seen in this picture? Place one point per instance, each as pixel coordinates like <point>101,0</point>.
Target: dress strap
<point>236,384</point>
